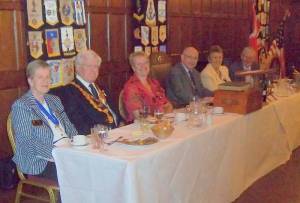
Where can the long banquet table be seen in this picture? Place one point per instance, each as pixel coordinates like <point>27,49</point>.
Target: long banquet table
<point>213,163</point>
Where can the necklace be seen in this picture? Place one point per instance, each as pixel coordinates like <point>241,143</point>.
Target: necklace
<point>97,104</point>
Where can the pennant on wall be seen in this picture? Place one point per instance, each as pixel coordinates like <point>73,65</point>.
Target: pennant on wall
<point>138,15</point>
<point>79,12</point>
<point>150,14</point>
<point>52,42</point>
<point>51,12</point>
<point>66,12</point>
<point>80,39</point>
<point>154,36</point>
<point>145,35</point>
<point>55,72</point>
<point>161,10</point>
<point>35,41</point>
<point>67,40</point>
<point>162,33</point>
<point>67,68</point>
<point>35,13</point>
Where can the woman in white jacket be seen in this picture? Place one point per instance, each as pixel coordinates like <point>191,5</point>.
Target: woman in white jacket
<point>214,73</point>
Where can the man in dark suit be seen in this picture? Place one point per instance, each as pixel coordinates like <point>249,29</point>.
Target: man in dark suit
<point>183,82</point>
<point>247,62</point>
<point>85,103</point>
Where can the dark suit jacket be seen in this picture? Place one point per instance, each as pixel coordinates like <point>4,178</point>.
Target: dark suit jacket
<point>80,112</point>
<point>238,66</point>
<point>179,87</point>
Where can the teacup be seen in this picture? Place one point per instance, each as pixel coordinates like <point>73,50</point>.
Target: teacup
<point>79,140</point>
<point>218,110</point>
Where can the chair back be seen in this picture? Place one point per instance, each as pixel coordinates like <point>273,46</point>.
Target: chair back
<point>161,64</point>
<point>11,139</point>
<point>122,109</point>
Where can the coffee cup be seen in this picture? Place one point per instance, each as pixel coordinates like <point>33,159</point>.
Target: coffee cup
<point>218,110</point>
<point>180,117</point>
<point>79,140</point>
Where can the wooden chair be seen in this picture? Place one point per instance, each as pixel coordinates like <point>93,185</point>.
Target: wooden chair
<point>50,186</point>
<point>122,109</point>
<point>161,64</point>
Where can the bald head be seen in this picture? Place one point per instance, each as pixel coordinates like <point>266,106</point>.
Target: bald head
<point>248,56</point>
<point>189,57</point>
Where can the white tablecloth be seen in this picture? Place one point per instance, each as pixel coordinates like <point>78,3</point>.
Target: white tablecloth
<point>209,164</point>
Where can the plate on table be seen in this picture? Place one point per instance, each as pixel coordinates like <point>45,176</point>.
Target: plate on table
<point>139,142</point>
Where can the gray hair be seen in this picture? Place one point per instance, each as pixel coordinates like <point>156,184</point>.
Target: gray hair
<point>84,55</point>
<point>133,55</point>
<point>34,65</point>
<point>247,50</point>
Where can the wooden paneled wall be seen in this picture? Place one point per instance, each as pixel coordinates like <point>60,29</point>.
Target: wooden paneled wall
<point>191,22</point>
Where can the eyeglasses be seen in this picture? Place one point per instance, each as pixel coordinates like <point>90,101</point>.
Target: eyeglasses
<point>89,65</point>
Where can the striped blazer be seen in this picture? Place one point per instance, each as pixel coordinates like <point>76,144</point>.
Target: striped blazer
<point>33,135</point>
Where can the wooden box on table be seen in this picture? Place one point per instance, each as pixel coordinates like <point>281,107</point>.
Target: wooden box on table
<point>241,102</point>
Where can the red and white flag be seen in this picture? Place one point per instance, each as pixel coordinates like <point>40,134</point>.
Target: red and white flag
<point>254,35</point>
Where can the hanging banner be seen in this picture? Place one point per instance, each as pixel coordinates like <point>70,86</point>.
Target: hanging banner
<point>161,10</point>
<point>67,68</point>
<point>154,36</point>
<point>145,35</point>
<point>51,12</point>
<point>35,13</point>
<point>35,41</point>
<point>67,40</point>
<point>79,12</point>
<point>138,14</point>
<point>150,14</point>
<point>148,50</point>
<point>162,33</point>
<point>66,12</point>
<point>52,42</point>
<point>80,39</point>
<point>55,72</point>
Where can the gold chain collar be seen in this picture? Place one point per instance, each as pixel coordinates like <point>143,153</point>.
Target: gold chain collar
<point>96,104</point>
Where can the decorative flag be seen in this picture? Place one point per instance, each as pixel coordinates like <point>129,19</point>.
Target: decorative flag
<point>80,40</point>
<point>161,10</point>
<point>162,33</point>
<point>56,77</point>
<point>66,12</point>
<point>35,13</point>
<point>277,46</point>
<point>253,38</point>
<point>145,35</point>
<point>79,12</point>
<point>154,36</point>
<point>51,12</point>
<point>150,14</point>
<point>52,42</point>
<point>138,14</point>
<point>67,67</point>
<point>35,41</point>
<point>67,40</point>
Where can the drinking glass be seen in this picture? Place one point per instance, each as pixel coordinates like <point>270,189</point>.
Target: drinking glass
<point>158,114</point>
<point>144,111</point>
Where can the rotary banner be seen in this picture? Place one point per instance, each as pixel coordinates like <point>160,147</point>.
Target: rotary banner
<point>55,31</point>
<point>150,25</point>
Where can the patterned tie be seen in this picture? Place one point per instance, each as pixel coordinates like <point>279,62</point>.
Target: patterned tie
<point>94,91</point>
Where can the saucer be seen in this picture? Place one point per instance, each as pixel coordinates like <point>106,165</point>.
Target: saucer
<point>79,145</point>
